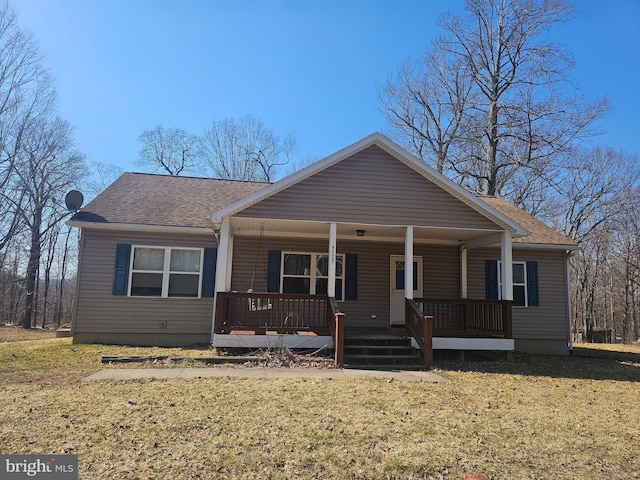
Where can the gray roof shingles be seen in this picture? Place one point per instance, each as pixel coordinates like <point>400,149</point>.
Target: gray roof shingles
<point>162,200</point>
<point>147,199</point>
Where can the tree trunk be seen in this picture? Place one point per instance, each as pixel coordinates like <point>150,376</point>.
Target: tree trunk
<point>58,309</point>
<point>492,150</point>
<point>32,269</point>
<point>51,250</point>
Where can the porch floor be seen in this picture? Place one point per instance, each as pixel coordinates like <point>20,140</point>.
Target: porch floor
<point>360,332</point>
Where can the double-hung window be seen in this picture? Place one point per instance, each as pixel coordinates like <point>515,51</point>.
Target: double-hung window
<point>519,284</point>
<point>165,272</point>
<point>309,273</point>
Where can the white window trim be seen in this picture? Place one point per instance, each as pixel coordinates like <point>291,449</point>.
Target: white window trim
<point>312,276</point>
<point>515,284</point>
<point>166,271</point>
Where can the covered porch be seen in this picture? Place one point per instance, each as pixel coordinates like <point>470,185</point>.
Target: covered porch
<point>418,275</point>
<point>258,320</point>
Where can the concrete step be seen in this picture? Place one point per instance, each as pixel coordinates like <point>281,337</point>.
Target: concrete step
<point>388,367</point>
<point>386,360</point>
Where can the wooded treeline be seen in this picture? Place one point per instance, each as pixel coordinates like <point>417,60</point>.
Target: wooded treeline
<point>38,166</point>
<point>490,105</point>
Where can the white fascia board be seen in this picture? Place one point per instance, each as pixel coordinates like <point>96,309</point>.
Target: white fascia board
<point>546,246</point>
<point>490,243</point>
<point>399,153</point>
<point>131,227</point>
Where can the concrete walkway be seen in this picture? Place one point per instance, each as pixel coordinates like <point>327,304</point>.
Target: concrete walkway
<point>262,372</point>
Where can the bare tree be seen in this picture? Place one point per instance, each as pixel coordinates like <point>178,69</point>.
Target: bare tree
<point>593,189</point>
<point>48,166</point>
<point>173,151</point>
<point>426,104</point>
<point>244,150</point>
<point>520,111</point>
<point>104,174</point>
<point>26,93</point>
<point>598,194</point>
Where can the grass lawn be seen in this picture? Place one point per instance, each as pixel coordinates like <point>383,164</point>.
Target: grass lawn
<point>534,418</point>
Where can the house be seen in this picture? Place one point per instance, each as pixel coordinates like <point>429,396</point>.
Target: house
<point>367,237</point>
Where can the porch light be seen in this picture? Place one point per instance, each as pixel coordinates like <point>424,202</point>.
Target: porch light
<point>360,233</point>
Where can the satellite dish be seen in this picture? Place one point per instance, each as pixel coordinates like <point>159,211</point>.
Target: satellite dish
<point>74,200</point>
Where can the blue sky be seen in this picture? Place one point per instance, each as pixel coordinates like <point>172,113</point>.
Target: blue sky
<point>310,68</point>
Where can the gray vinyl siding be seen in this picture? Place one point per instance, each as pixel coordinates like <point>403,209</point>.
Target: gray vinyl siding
<point>98,310</point>
<point>371,187</point>
<point>440,271</point>
<point>548,321</point>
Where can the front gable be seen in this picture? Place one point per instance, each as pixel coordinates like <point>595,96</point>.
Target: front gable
<point>369,187</point>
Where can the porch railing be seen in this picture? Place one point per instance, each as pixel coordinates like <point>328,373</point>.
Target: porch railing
<point>468,318</point>
<point>261,312</point>
<point>420,327</point>
<point>281,313</point>
<point>335,322</point>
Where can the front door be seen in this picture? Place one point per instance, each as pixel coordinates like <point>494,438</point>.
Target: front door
<point>397,286</point>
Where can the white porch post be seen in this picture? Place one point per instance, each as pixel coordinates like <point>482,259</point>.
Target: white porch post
<point>223,264</point>
<point>408,264</point>
<point>507,266</point>
<point>227,281</point>
<point>331,287</point>
<point>223,267</point>
<point>463,272</point>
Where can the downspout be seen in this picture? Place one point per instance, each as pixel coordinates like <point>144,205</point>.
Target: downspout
<point>567,274</point>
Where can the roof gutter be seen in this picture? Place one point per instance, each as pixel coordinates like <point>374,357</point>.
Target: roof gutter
<point>132,227</point>
<point>546,246</point>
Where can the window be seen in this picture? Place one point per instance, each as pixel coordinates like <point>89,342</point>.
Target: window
<point>519,284</point>
<point>165,272</point>
<point>309,273</point>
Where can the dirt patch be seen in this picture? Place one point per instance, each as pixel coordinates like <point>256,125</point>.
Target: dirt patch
<point>15,333</point>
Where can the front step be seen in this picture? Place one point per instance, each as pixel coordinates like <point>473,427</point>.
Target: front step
<point>394,353</point>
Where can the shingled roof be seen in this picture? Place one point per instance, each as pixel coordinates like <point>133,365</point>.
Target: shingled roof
<point>162,200</point>
<point>540,233</point>
<point>147,199</point>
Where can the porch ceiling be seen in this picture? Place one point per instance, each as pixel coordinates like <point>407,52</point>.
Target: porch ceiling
<point>389,233</point>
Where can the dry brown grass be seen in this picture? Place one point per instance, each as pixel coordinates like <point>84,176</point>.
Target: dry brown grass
<point>535,417</point>
<point>13,333</point>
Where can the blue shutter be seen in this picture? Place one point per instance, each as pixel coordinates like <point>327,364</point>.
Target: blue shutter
<point>209,271</point>
<point>351,276</point>
<point>121,270</point>
<point>532,284</point>
<point>491,279</point>
<point>273,271</point>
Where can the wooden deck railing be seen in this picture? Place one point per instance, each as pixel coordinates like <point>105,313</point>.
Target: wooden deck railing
<point>281,313</point>
<point>420,327</point>
<point>468,318</point>
<point>335,322</point>
<point>288,313</point>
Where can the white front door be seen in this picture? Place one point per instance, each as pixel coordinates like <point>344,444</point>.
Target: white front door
<point>397,286</point>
